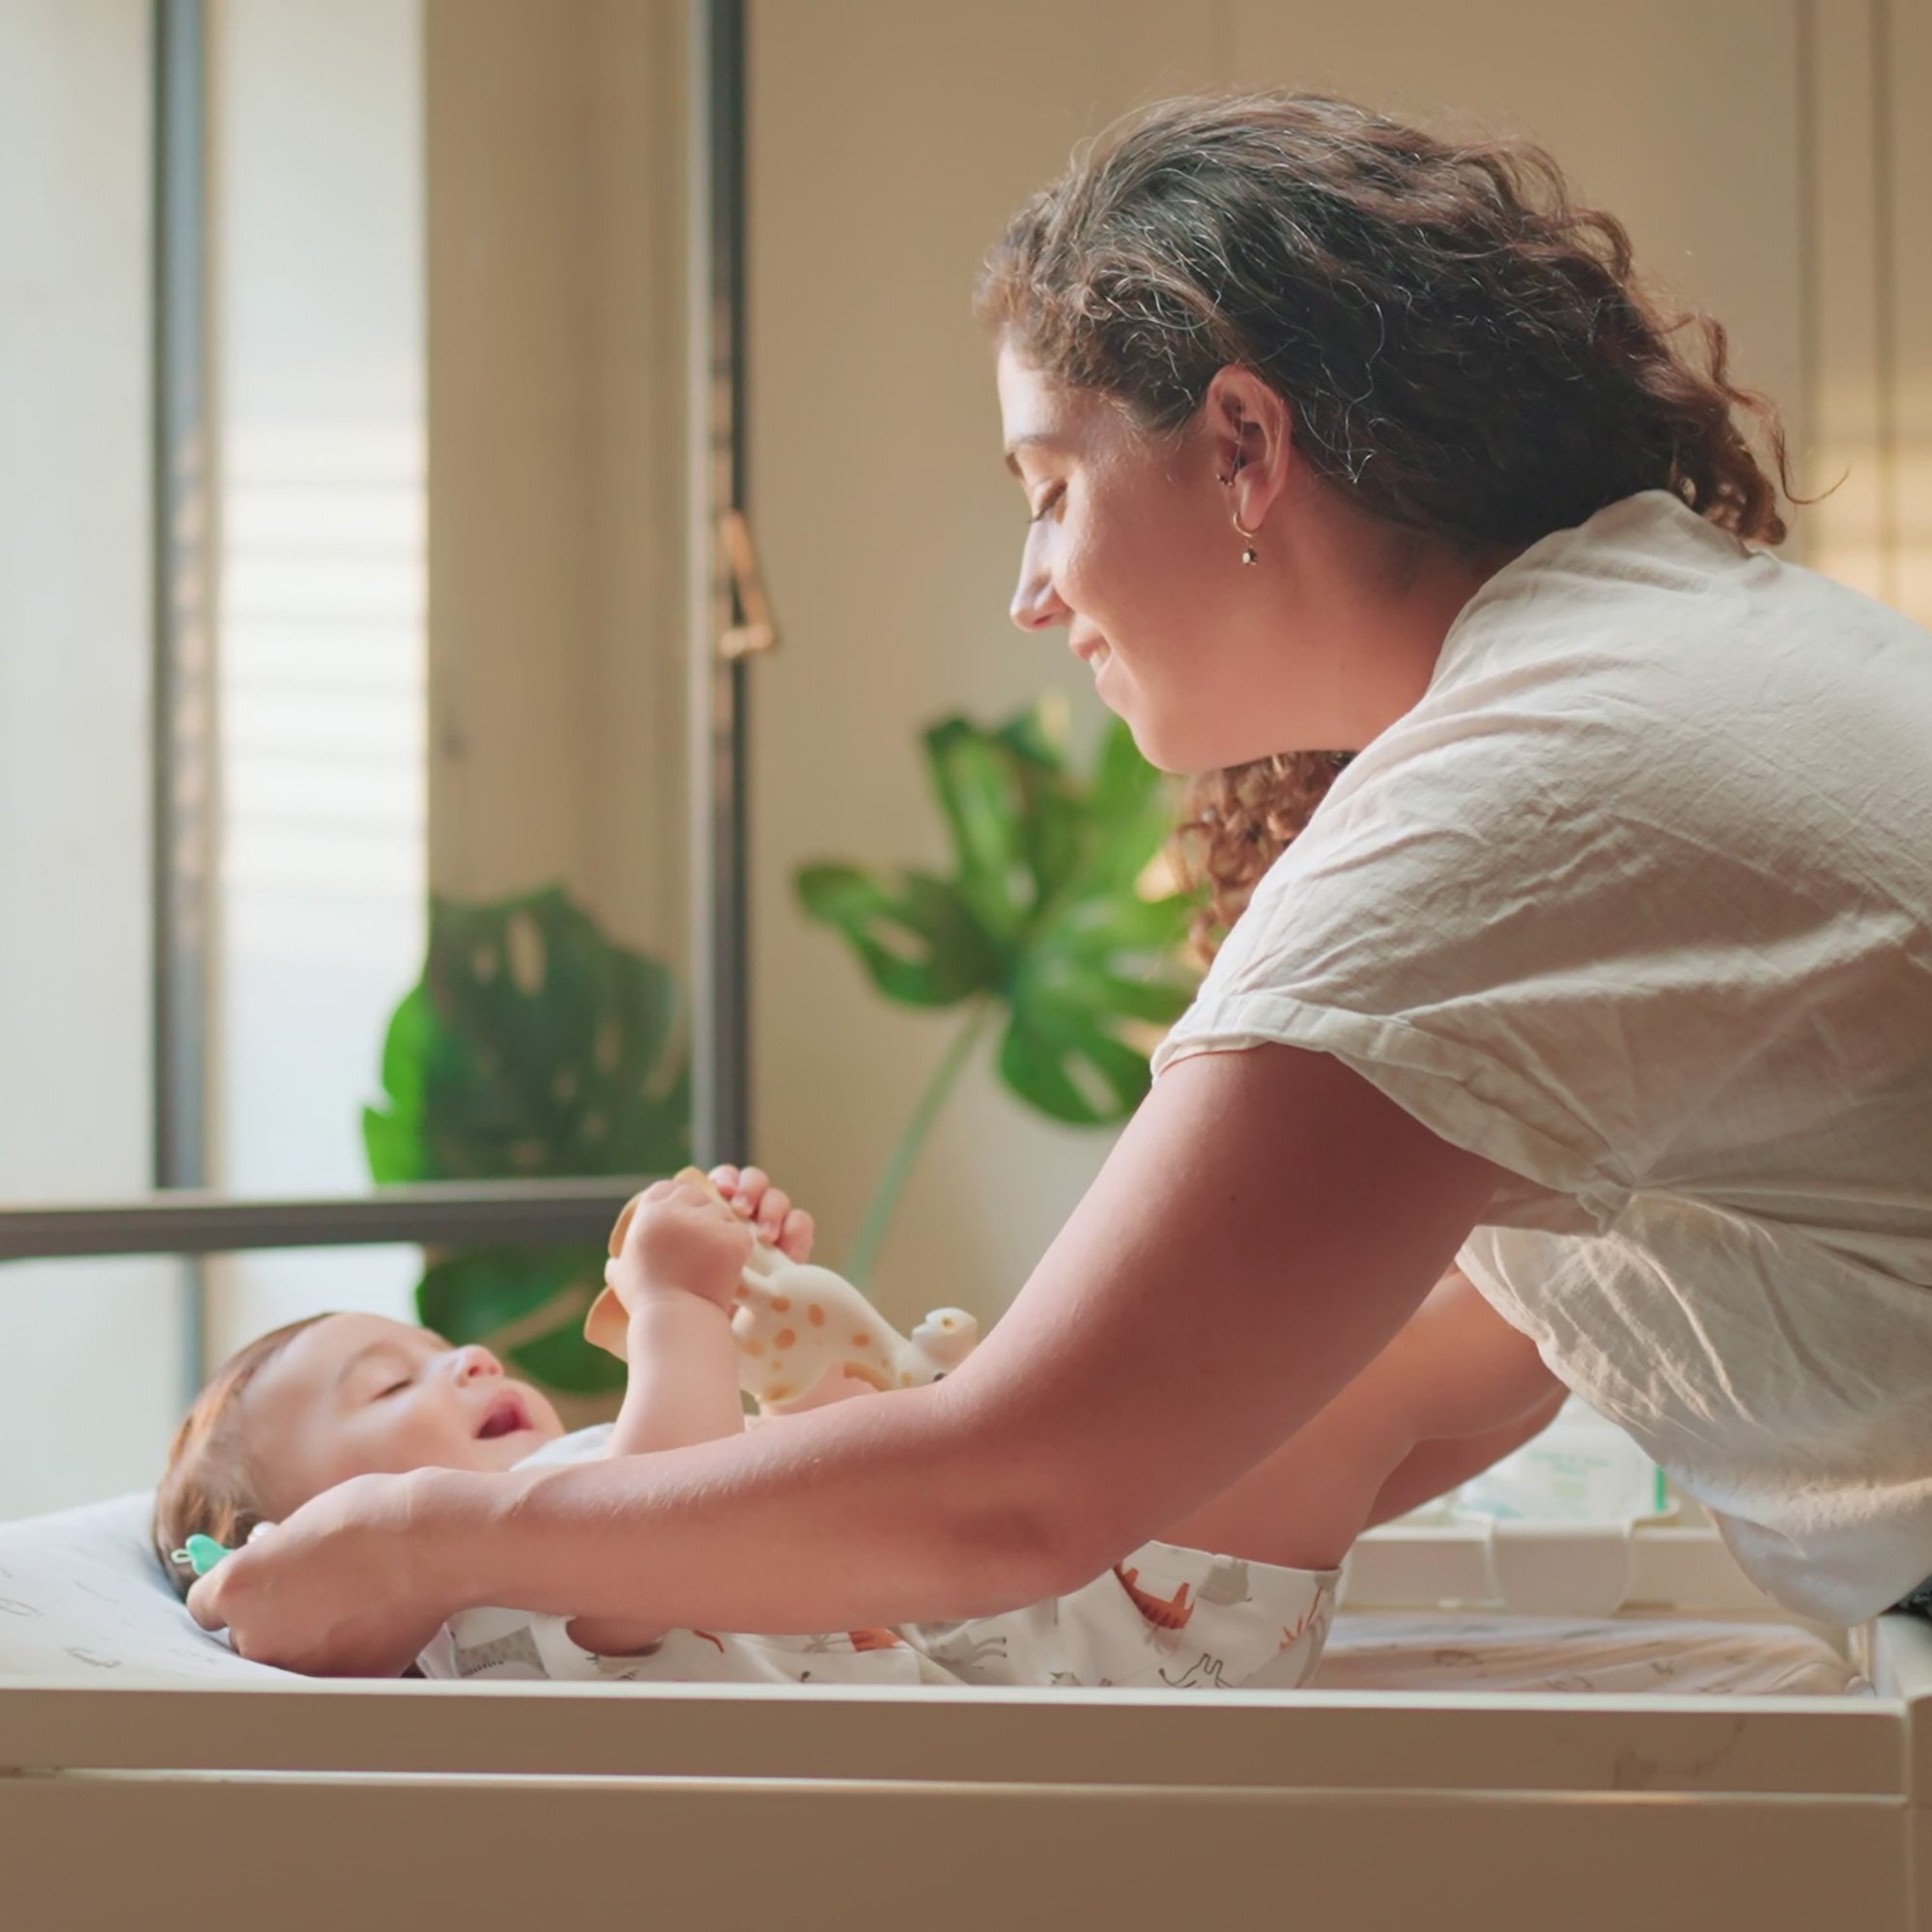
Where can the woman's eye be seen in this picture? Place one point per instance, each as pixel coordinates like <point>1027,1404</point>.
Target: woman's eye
<point>1047,501</point>
<point>394,1388</point>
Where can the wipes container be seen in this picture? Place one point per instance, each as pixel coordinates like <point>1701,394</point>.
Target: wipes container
<point>1557,1515</point>
<point>1580,1469</point>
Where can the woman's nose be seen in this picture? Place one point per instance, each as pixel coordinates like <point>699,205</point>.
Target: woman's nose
<point>1037,604</point>
<point>476,1360</point>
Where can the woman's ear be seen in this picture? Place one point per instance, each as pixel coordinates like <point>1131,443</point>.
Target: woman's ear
<point>1249,429</point>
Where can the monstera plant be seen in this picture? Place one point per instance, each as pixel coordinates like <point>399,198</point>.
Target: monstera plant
<point>1045,928</point>
<point>532,1046</point>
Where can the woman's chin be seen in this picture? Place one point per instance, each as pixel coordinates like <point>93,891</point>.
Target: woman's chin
<point>1149,741</point>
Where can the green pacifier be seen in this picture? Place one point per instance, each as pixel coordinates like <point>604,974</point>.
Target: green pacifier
<point>202,1554</point>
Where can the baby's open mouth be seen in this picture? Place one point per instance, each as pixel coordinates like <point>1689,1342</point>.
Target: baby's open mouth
<point>506,1416</point>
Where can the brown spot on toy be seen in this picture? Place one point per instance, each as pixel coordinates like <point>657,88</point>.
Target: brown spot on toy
<point>815,1315</point>
<point>752,1347</point>
<point>785,1338</point>
<point>861,1341</point>
<point>780,1304</point>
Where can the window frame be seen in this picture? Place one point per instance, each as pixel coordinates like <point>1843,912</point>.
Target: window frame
<point>183,1217</point>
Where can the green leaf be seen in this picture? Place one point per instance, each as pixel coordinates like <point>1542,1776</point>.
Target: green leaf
<point>393,1146</point>
<point>532,1046</point>
<point>1041,913</point>
<point>1072,1069</point>
<point>564,1360</point>
<point>475,1295</point>
<point>916,939</point>
<point>526,1304</point>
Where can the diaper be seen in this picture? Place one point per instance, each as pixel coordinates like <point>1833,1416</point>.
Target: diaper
<point>1164,1615</point>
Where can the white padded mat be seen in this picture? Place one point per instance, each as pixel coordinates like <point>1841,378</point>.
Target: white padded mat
<point>1673,1656</point>
<point>82,1596</point>
<point>83,1599</point>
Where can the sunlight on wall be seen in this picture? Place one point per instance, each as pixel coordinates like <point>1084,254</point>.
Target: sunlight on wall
<point>322,619</point>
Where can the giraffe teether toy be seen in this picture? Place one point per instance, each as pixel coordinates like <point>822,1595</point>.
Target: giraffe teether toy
<point>794,1323</point>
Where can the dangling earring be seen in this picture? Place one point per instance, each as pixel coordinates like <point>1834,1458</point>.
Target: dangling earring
<point>1249,536</point>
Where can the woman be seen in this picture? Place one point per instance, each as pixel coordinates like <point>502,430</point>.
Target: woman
<point>1576,1034</point>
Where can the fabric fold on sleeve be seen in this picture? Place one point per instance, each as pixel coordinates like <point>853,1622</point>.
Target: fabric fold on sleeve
<point>1460,1094</point>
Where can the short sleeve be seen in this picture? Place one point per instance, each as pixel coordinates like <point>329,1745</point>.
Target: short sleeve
<point>1467,924</point>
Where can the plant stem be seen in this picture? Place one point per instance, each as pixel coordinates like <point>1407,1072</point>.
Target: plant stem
<point>885,1201</point>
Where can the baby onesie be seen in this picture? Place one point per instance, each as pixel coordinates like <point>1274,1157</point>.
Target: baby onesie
<point>1163,1616</point>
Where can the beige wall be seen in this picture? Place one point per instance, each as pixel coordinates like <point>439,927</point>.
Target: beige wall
<point>889,143</point>
<point>555,135</point>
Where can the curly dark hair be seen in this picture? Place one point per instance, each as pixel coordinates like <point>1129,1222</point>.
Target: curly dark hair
<point>1465,350</point>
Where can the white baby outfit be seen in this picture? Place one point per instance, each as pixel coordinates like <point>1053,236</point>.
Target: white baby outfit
<point>1164,1615</point>
<point>1636,902</point>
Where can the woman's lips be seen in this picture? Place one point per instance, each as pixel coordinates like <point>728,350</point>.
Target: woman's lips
<point>506,1416</point>
<point>1090,650</point>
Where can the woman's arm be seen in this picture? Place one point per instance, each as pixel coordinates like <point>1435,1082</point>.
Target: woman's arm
<point>1456,1390</point>
<point>1267,1222</point>
<point>1434,1468</point>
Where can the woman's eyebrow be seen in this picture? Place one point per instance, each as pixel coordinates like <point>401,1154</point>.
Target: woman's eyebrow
<point>1032,439</point>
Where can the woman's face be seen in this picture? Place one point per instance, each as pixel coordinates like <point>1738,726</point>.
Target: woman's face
<point>360,1395</point>
<point>1131,546</point>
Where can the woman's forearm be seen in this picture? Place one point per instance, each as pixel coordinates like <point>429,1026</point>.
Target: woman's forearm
<point>718,1535</point>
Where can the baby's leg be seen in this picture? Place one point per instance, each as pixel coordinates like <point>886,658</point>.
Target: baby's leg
<point>1457,1389</point>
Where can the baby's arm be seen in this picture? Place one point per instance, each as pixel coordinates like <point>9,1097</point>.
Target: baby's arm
<point>677,1278</point>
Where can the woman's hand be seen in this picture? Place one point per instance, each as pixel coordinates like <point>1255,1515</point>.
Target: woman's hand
<point>339,1590</point>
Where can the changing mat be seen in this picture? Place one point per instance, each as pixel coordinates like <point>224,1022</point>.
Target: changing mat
<point>82,1598</point>
<point>1671,1657</point>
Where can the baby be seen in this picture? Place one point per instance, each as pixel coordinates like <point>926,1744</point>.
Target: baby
<point>318,1401</point>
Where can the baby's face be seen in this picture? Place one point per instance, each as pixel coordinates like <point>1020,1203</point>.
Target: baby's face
<point>358,1395</point>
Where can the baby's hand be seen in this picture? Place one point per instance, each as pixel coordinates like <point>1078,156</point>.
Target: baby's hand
<point>681,1238</point>
<point>768,1209</point>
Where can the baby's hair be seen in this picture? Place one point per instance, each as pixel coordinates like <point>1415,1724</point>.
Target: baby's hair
<point>210,1488</point>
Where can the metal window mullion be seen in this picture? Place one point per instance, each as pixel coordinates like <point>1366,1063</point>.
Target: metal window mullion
<point>721,1123</point>
<point>184,575</point>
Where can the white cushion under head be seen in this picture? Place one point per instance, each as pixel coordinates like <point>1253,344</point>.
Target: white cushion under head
<point>82,1596</point>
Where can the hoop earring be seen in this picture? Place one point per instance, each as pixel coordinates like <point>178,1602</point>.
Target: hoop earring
<point>1247,536</point>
